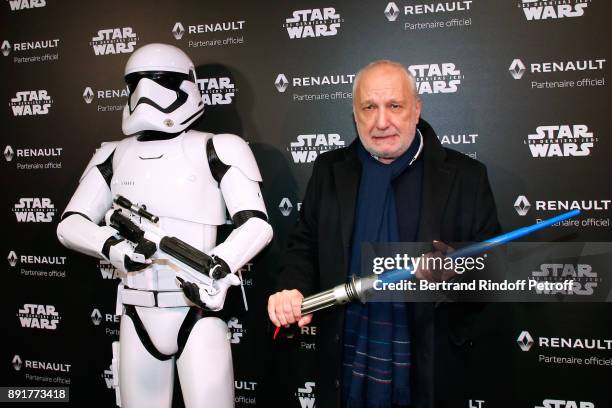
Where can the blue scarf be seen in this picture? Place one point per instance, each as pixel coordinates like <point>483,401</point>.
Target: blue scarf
<point>376,360</point>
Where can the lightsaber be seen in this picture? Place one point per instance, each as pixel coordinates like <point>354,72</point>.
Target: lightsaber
<point>356,288</point>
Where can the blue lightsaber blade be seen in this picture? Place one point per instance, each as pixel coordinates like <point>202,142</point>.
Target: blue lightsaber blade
<point>356,288</point>
<point>480,247</point>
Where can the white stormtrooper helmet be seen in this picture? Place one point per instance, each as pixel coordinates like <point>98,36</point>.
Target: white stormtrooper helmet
<point>164,95</point>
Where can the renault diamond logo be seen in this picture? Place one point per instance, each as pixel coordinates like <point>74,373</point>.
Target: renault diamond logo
<point>392,11</point>
<point>17,362</point>
<point>525,341</point>
<point>96,317</point>
<point>12,258</point>
<point>285,207</point>
<point>522,205</point>
<point>517,69</point>
<point>281,83</point>
<point>178,31</point>
<point>8,153</point>
<point>88,95</point>
<point>6,48</point>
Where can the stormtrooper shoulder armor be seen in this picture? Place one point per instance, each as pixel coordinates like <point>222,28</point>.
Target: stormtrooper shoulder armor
<point>226,150</point>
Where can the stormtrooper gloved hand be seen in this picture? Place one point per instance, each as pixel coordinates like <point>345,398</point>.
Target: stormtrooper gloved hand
<point>210,297</point>
<point>127,258</point>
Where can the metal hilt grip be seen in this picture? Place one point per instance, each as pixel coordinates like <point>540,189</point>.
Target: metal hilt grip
<point>344,293</point>
<point>318,302</point>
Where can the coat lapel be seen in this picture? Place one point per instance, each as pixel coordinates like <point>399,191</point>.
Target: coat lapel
<point>438,177</point>
<point>347,174</point>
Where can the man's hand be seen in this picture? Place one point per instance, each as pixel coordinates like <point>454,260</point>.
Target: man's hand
<point>285,308</point>
<point>436,274</point>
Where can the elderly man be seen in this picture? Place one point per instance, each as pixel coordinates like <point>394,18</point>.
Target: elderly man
<point>394,183</point>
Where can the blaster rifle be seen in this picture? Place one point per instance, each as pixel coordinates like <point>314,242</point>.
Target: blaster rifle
<point>150,238</point>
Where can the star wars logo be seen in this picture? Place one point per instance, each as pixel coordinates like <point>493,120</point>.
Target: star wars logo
<point>30,103</point>
<point>34,210</point>
<point>89,94</point>
<point>107,270</point>
<point>35,259</point>
<point>557,403</point>
<point>35,316</point>
<point>436,78</point>
<point>107,376</point>
<point>26,4</point>
<point>306,395</point>
<point>311,23</point>
<point>18,364</point>
<point>114,41</point>
<point>552,9</point>
<point>217,91</point>
<point>307,147</point>
<point>561,141</point>
<point>236,331</point>
<point>585,279</point>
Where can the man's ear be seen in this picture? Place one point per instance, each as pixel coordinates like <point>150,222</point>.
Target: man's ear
<point>417,109</point>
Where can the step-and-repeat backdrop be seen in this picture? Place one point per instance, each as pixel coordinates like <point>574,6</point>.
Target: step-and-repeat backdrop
<point>521,85</point>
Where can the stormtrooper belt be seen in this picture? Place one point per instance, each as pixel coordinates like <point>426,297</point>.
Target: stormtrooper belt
<point>152,298</point>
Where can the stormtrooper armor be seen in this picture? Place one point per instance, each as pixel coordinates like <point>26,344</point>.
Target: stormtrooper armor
<point>188,179</point>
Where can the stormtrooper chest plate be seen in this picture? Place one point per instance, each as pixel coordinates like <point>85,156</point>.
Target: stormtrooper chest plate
<point>170,177</point>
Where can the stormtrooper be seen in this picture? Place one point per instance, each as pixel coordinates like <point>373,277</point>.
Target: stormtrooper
<point>187,179</point>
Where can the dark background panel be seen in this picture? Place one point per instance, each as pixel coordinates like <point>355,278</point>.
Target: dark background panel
<point>489,117</point>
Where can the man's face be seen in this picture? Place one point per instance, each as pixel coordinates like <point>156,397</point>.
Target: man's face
<point>386,112</point>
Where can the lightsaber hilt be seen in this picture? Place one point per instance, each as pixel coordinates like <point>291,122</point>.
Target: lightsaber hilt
<point>347,292</point>
<point>140,210</point>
